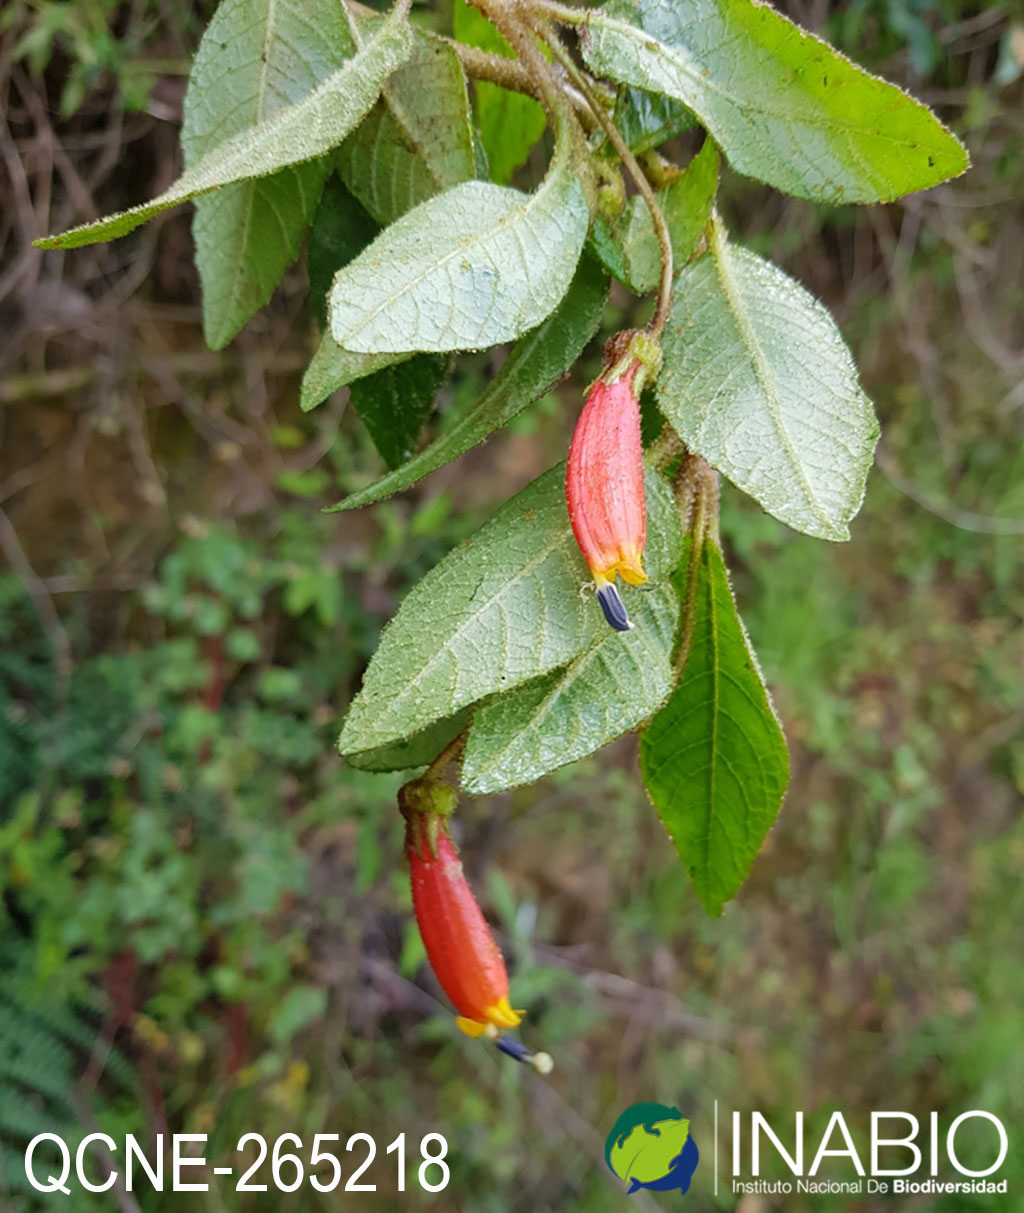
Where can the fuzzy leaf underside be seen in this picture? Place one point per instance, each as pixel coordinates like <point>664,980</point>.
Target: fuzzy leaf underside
<point>253,61</point>
<point>417,141</point>
<point>503,607</point>
<point>620,681</point>
<point>332,368</point>
<point>757,380</point>
<point>535,362</point>
<point>478,265</point>
<point>292,135</point>
<point>341,229</point>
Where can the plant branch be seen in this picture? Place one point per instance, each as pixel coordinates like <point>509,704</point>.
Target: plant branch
<point>452,752</point>
<point>504,18</point>
<point>562,12</point>
<point>511,74</point>
<point>632,167</point>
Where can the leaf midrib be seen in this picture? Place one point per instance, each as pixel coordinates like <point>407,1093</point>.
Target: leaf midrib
<point>556,173</point>
<point>705,83</point>
<point>715,697</point>
<point>762,370</point>
<point>410,472</point>
<point>571,672</point>
<point>269,33</point>
<point>192,184</point>
<point>557,541</point>
<point>458,252</point>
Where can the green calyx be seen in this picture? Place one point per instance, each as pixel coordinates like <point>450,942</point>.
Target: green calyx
<point>627,349</point>
<point>428,803</point>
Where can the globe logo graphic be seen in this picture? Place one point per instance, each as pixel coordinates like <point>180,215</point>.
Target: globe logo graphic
<point>650,1147</point>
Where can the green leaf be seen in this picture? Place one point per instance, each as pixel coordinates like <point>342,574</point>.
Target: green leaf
<point>647,120</point>
<point>254,60</point>
<point>417,141</point>
<point>332,368</point>
<point>536,361</point>
<point>510,123</point>
<point>292,135</point>
<point>341,229</point>
<point>500,609</point>
<point>620,681</point>
<point>714,759</point>
<point>605,243</point>
<point>783,106</point>
<point>756,379</point>
<point>478,265</point>
<point>686,204</point>
<point>395,402</point>
<point>417,751</point>
<point>246,236</point>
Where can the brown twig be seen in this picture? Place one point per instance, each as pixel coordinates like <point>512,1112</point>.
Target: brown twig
<point>636,173</point>
<point>521,37</point>
<point>452,752</point>
<point>510,74</point>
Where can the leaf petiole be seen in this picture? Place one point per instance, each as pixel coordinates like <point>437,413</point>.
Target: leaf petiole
<point>636,173</point>
<point>695,489</point>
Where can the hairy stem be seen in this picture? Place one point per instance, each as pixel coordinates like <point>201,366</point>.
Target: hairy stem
<point>561,12</point>
<point>696,489</point>
<point>505,17</point>
<point>511,74</point>
<point>452,752</point>
<point>667,447</point>
<point>636,173</point>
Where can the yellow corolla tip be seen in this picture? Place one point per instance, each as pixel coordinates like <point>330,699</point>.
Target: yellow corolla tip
<point>629,568</point>
<point>503,1016</point>
<point>632,572</point>
<point>471,1027</point>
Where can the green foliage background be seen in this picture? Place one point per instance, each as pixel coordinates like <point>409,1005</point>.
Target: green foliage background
<point>204,923</point>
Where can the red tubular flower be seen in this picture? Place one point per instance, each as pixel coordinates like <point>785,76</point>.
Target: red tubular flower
<point>459,943</point>
<point>604,486</point>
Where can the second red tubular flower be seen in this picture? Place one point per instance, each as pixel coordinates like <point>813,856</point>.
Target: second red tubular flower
<point>459,944</point>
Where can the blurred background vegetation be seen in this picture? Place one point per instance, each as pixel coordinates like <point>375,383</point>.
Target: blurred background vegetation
<point>204,921</point>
